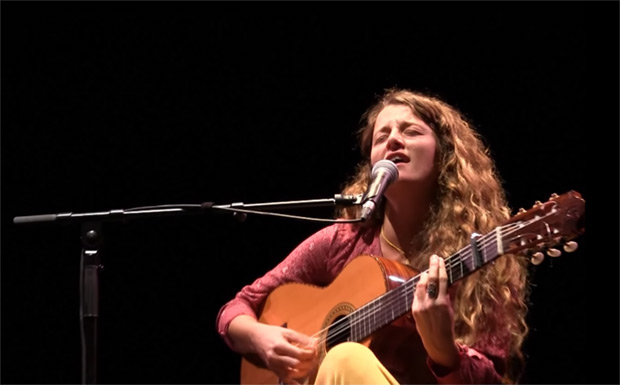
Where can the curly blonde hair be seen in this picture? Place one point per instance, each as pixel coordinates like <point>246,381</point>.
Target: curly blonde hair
<point>490,305</point>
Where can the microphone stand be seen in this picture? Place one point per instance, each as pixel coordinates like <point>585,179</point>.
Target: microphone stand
<point>92,239</point>
<point>91,235</point>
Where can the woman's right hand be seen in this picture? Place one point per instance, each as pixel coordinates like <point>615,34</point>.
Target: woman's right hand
<point>289,354</point>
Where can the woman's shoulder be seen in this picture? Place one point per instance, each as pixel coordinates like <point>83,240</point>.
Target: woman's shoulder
<point>346,231</point>
<point>352,238</point>
<point>340,237</point>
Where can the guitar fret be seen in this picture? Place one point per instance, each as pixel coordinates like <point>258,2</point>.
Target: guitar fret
<point>383,315</point>
<point>455,263</point>
<point>406,301</point>
<point>498,237</point>
<point>359,322</point>
<point>367,320</point>
<point>397,304</point>
<point>359,329</point>
<point>374,315</point>
<point>354,325</point>
<point>494,246</point>
<point>470,262</point>
<point>488,242</point>
<point>368,324</point>
<point>485,250</point>
<point>364,311</point>
<point>475,252</point>
<point>404,305</point>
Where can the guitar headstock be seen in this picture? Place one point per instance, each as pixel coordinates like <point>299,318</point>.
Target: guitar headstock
<point>546,226</point>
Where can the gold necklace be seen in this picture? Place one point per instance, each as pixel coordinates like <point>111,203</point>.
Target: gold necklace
<point>401,251</point>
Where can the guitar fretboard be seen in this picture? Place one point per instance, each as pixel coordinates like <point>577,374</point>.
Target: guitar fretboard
<point>397,302</point>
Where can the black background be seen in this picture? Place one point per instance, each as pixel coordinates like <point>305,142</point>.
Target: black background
<point>117,105</point>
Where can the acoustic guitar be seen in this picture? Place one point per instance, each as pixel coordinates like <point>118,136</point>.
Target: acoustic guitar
<point>372,292</point>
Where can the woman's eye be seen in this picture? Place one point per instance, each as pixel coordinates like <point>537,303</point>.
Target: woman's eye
<point>380,138</point>
<point>411,132</point>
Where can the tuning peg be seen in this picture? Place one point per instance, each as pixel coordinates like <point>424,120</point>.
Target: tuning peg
<point>554,196</point>
<point>537,203</point>
<point>521,210</point>
<point>537,258</point>
<point>554,252</point>
<point>571,246</point>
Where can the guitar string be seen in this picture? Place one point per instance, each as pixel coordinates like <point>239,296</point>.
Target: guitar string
<point>466,256</point>
<point>350,326</point>
<point>463,256</point>
<point>344,325</point>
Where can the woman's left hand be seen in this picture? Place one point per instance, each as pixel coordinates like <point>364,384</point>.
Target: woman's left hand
<point>434,316</point>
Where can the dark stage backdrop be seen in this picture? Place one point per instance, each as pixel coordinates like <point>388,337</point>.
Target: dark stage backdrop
<point>117,105</point>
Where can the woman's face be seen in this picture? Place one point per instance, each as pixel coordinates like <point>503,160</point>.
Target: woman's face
<point>403,138</point>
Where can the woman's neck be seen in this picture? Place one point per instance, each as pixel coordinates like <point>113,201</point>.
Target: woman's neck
<point>404,216</point>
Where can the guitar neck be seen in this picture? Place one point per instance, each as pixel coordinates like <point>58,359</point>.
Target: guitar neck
<point>397,302</point>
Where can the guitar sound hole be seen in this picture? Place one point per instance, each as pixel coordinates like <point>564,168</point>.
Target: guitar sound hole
<point>339,331</point>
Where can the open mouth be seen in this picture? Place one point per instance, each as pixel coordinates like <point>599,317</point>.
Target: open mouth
<point>396,158</point>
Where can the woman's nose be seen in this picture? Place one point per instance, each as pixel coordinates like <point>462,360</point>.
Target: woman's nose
<point>395,140</point>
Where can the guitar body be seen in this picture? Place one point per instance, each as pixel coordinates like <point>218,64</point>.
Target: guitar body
<point>310,309</point>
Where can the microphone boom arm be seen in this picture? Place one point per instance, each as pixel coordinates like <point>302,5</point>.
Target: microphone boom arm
<point>185,209</point>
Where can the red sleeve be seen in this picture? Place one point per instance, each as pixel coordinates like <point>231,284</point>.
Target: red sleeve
<point>306,263</point>
<point>483,362</point>
<point>474,368</point>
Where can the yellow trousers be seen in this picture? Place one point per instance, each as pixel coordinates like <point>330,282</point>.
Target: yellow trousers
<point>352,363</point>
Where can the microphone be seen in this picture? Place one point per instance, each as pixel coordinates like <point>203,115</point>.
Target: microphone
<point>384,173</point>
